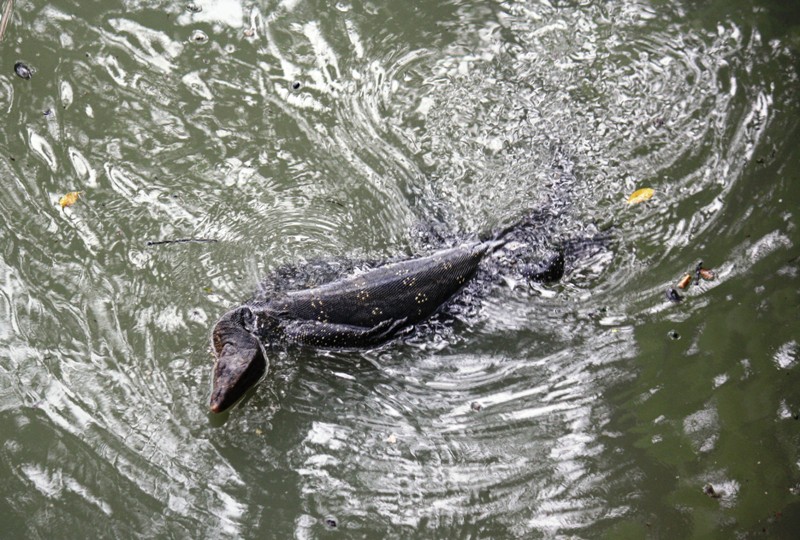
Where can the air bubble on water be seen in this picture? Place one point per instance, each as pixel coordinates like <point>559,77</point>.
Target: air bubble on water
<point>198,36</point>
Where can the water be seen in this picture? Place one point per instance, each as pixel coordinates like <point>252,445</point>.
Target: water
<point>295,131</point>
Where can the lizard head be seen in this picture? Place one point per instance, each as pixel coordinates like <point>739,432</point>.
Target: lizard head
<point>240,359</point>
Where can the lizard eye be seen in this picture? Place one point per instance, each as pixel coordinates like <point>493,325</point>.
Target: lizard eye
<point>248,319</point>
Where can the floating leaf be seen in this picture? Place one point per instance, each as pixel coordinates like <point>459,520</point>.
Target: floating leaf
<point>69,199</point>
<point>641,195</point>
<point>707,274</point>
<point>685,281</point>
<point>703,273</point>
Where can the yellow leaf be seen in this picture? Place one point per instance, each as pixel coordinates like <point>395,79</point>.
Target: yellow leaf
<point>685,281</point>
<point>641,195</point>
<point>69,199</point>
<point>706,274</point>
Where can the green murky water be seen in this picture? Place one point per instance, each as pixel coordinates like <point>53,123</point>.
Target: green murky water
<point>292,131</point>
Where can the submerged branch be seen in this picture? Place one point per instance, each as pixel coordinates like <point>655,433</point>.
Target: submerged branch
<point>6,17</point>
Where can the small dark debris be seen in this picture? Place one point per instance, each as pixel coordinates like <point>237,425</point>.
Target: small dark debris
<point>296,85</point>
<point>48,112</point>
<point>198,36</point>
<point>658,122</point>
<point>674,335</point>
<point>23,71</point>
<point>330,523</point>
<point>709,490</point>
<point>476,406</point>
<point>673,296</point>
<point>337,203</point>
<point>194,8</point>
<point>697,270</point>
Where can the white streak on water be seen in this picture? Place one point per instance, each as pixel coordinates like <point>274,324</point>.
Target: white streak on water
<point>65,94</point>
<point>227,12</point>
<point>354,38</point>
<point>786,356</point>
<point>326,60</point>
<point>702,428</point>
<point>154,47</point>
<point>42,148</point>
<point>86,174</point>
<point>196,85</point>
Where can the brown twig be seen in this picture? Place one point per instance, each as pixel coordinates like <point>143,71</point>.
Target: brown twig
<point>6,17</point>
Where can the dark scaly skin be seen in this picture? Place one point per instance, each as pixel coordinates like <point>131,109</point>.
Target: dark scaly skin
<point>356,312</point>
<point>370,308</point>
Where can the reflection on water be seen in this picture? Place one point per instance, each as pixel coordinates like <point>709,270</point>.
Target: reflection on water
<point>294,131</point>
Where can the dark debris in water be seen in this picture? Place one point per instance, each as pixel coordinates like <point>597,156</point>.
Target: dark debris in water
<point>330,523</point>
<point>296,85</point>
<point>198,36</point>
<point>674,335</point>
<point>23,70</point>
<point>476,406</point>
<point>709,490</point>
<point>673,295</point>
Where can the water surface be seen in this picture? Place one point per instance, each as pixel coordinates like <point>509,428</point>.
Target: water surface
<point>296,131</point>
